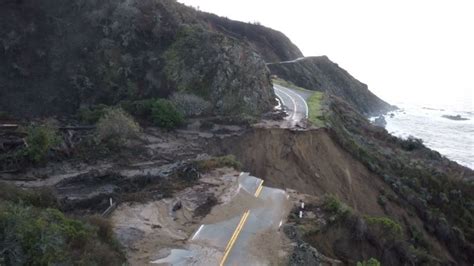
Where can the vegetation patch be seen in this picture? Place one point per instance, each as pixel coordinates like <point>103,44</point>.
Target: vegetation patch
<point>34,232</point>
<point>33,236</point>
<point>370,262</point>
<point>336,208</point>
<point>139,108</point>
<point>315,107</point>
<point>218,162</point>
<point>41,197</point>
<point>116,127</point>
<point>40,140</point>
<point>93,114</point>
<point>190,105</point>
<point>385,226</point>
<point>165,115</point>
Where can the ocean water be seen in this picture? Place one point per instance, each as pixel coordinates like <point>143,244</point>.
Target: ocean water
<point>453,139</point>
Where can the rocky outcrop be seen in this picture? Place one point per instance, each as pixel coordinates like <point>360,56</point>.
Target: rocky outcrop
<point>60,56</point>
<point>220,69</point>
<point>380,121</point>
<point>321,74</point>
<point>273,45</point>
<point>455,117</point>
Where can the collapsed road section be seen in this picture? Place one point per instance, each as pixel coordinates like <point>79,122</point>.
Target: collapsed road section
<point>238,240</point>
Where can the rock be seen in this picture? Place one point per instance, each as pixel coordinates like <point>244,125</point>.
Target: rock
<point>177,206</point>
<point>380,121</point>
<point>455,117</point>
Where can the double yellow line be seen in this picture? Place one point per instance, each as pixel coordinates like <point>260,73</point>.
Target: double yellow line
<point>238,229</point>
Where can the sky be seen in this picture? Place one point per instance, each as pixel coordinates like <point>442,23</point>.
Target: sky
<point>419,51</point>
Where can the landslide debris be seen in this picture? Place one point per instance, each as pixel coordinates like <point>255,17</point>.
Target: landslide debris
<point>319,161</point>
<point>149,230</point>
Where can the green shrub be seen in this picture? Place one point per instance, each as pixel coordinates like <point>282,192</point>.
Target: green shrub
<point>93,114</point>
<point>165,115</point>
<point>104,227</point>
<point>116,127</point>
<point>190,105</point>
<point>140,108</point>
<point>41,139</point>
<point>411,143</point>
<point>335,207</point>
<point>218,162</point>
<point>382,200</point>
<point>370,262</point>
<point>385,227</point>
<point>32,236</point>
<point>39,197</point>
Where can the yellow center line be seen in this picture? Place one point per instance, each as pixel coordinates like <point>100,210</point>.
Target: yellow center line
<point>238,229</point>
<point>234,237</point>
<point>259,189</point>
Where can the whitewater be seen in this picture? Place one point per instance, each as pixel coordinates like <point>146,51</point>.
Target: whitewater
<point>451,138</point>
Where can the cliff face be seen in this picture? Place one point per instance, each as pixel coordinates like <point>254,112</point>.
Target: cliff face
<point>321,74</point>
<point>60,56</point>
<point>272,45</point>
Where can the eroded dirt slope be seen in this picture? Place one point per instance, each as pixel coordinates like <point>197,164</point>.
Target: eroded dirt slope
<point>311,162</point>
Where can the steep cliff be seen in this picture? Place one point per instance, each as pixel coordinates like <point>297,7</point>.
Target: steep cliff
<point>60,56</point>
<point>321,74</point>
<point>273,45</point>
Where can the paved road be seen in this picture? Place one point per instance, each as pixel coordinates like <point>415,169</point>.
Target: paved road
<point>259,220</point>
<point>231,242</point>
<point>288,62</point>
<point>294,102</point>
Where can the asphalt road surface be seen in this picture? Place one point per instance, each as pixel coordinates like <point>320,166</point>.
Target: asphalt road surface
<point>231,242</point>
<point>294,102</point>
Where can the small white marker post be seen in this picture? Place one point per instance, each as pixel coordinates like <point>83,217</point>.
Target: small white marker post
<point>301,214</point>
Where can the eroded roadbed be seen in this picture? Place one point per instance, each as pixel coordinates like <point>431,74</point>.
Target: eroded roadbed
<point>247,221</point>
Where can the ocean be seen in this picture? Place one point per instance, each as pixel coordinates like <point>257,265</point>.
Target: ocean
<point>452,138</point>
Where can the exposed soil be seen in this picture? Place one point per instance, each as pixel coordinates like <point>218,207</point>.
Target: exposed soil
<point>149,230</point>
<point>241,202</point>
<point>307,161</point>
<point>310,162</point>
<point>268,246</point>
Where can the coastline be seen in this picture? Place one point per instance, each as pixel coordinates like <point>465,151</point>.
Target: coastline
<point>451,138</point>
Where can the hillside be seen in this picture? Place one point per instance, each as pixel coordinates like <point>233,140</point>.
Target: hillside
<point>321,74</point>
<point>125,124</point>
<point>59,57</point>
<point>421,200</point>
<point>272,45</point>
